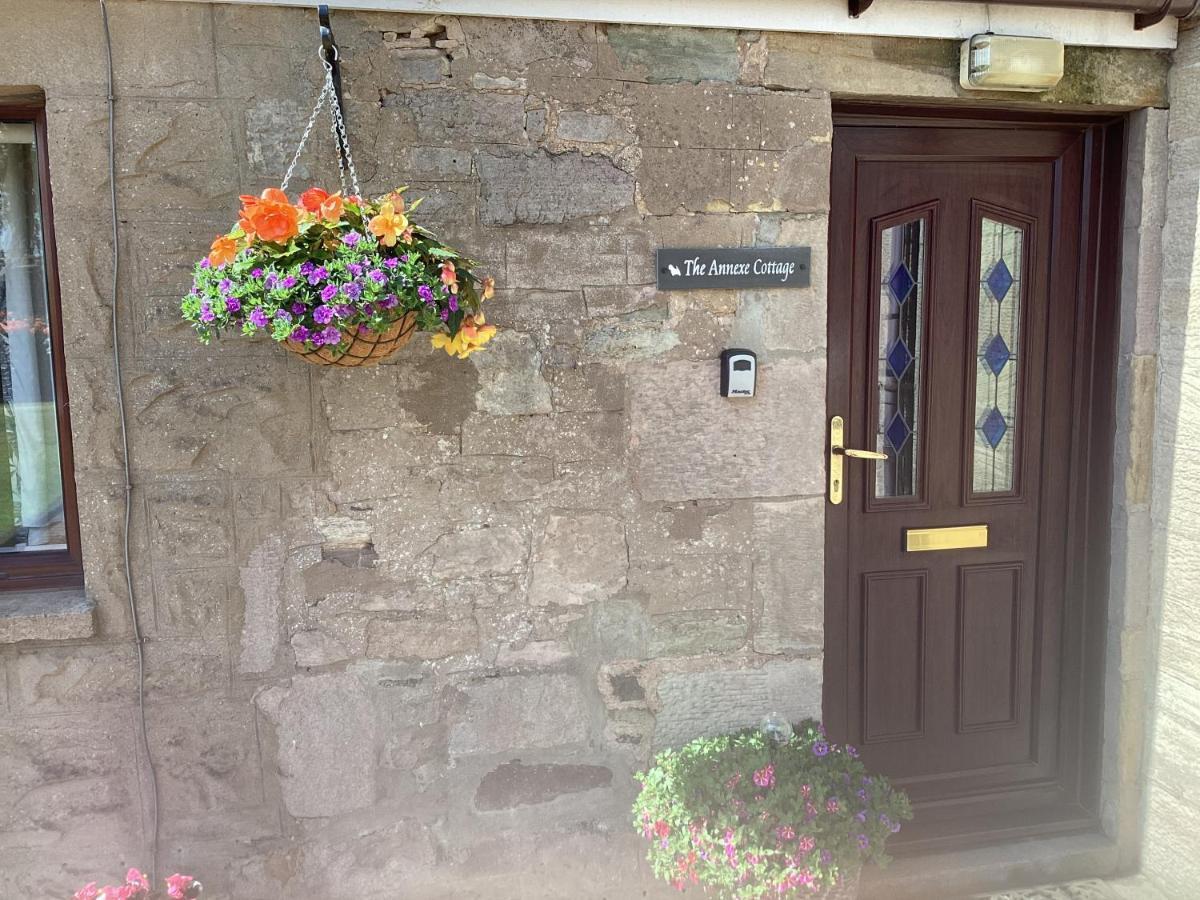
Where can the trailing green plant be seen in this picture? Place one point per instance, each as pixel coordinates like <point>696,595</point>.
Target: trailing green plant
<point>752,816</point>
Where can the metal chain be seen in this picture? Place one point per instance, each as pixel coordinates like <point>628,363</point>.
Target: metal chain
<point>338,128</point>
<point>312,120</point>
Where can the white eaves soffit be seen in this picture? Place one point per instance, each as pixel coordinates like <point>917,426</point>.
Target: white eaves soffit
<point>892,18</point>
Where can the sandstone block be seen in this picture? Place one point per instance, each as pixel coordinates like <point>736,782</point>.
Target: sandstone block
<point>510,377</point>
<point>795,180</point>
<point>676,54</point>
<point>565,437</point>
<point>463,116</point>
<point>193,603</point>
<point>523,711</point>
<point>325,729</point>
<point>617,300</point>
<point>516,784</point>
<point>698,632</point>
<point>691,583</point>
<point>65,679</point>
<point>690,443</point>
<point>587,388</point>
<point>548,189</point>
<point>579,558</point>
<point>789,575</point>
<point>674,179</point>
<point>498,550</point>
<point>582,127</point>
<point>513,46</point>
<point>560,260</point>
<point>207,756</point>
<point>697,704</point>
<point>432,638</point>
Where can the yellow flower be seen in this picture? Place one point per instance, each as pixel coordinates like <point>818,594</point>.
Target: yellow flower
<point>489,288</point>
<point>472,335</point>
<point>388,225</point>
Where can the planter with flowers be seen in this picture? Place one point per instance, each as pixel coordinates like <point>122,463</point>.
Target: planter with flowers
<point>137,887</point>
<point>338,281</point>
<point>766,813</point>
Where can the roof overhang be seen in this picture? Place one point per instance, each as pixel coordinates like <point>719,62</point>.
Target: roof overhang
<point>1106,23</point>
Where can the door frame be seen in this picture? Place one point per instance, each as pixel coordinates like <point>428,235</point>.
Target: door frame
<point>1093,410</point>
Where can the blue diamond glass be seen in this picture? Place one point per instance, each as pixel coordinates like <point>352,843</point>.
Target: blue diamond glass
<point>999,280</point>
<point>899,359</point>
<point>897,432</point>
<point>900,284</point>
<point>993,427</point>
<point>996,354</point>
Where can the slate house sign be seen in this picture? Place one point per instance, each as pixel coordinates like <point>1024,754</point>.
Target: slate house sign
<point>733,267</point>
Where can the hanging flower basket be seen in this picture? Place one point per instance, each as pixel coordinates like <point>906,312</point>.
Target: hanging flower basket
<point>337,279</point>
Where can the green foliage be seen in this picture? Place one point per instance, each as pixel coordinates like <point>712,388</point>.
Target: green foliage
<point>753,818</point>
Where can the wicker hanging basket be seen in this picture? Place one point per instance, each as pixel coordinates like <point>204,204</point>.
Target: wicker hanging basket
<point>357,348</point>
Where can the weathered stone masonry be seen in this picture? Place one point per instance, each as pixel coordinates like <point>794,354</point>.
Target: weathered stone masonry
<point>415,627</point>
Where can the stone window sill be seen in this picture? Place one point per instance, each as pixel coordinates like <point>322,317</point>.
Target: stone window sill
<point>46,616</point>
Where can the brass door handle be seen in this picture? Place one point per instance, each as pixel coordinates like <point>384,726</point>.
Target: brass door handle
<point>860,454</point>
<point>837,454</point>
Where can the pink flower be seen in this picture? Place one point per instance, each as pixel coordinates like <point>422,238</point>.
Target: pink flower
<point>806,844</point>
<point>765,777</point>
<point>88,892</point>
<point>177,886</point>
<point>137,881</point>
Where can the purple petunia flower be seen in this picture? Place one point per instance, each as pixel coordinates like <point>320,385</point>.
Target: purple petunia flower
<point>352,239</point>
<point>206,313</point>
<point>863,842</point>
<point>329,292</point>
<point>225,285</point>
<point>297,308</point>
<point>272,280</point>
<point>317,275</point>
<point>391,262</point>
<point>204,263</point>
<point>445,315</point>
<point>289,281</point>
<point>299,333</point>
<point>323,314</point>
<point>453,304</point>
<point>344,310</point>
<point>332,335</point>
<point>377,276</point>
<point>820,748</point>
<point>390,301</point>
<point>403,257</point>
<point>232,304</point>
<point>369,309</point>
<point>306,267</point>
<point>256,273</point>
<point>258,318</point>
<point>425,293</point>
<point>353,290</point>
<point>283,314</point>
<point>355,269</point>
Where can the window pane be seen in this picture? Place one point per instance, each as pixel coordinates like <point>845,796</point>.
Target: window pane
<point>31,492</point>
<point>901,310</point>
<point>998,324</point>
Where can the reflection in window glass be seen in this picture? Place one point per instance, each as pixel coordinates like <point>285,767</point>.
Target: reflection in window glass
<point>901,309</point>
<point>998,335</point>
<point>31,491</point>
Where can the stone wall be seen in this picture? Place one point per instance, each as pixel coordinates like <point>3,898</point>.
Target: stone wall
<point>1171,818</point>
<point>411,630</point>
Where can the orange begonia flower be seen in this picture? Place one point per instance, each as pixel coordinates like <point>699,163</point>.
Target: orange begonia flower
<point>271,216</point>
<point>489,288</point>
<point>450,277</point>
<point>325,206</point>
<point>388,225</point>
<point>313,198</point>
<point>222,251</point>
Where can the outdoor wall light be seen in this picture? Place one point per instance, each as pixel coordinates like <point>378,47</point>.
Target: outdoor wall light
<point>1001,62</point>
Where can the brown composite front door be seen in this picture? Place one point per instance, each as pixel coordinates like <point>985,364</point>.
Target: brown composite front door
<point>961,264</point>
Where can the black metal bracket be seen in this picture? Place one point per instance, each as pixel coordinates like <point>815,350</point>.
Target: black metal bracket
<point>329,53</point>
<point>858,7</point>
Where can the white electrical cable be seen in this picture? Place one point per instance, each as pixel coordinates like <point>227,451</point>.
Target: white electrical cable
<point>139,641</point>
